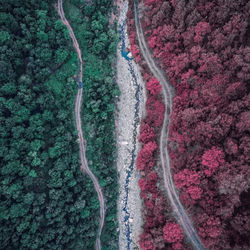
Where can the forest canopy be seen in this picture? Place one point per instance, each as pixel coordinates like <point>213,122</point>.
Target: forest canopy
<point>46,202</point>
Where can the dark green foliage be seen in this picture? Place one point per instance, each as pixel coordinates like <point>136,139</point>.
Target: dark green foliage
<point>98,42</point>
<point>46,202</point>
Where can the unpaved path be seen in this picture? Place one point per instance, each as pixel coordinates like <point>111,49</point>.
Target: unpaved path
<point>130,109</point>
<point>78,102</point>
<point>177,207</point>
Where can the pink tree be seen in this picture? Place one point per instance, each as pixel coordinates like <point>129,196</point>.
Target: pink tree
<point>212,159</point>
<point>146,241</point>
<point>146,133</point>
<point>172,232</point>
<point>153,86</point>
<point>145,156</point>
<point>201,29</point>
<point>186,178</point>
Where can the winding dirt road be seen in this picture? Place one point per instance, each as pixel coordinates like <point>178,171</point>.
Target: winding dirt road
<point>177,207</point>
<point>82,143</point>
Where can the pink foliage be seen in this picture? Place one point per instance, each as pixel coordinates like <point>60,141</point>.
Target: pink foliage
<point>143,184</point>
<point>195,192</point>
<point>201,29</point>
<point>146,133</point>
<point>146,242</point>
<point>153,86</point>
<point>152,2</point>
<point>152,176</point>
<point>231,146</point>
<point>235,90</point>
<point>177,246</point>
<point>210,230</point>
<point>145,156</point>
<point>212,159</point>
<point>186,200</point>
<point>203,48</point>
<point>244,122</point>
<point>241,223</point>
<point>186,178</point>
<point>152,41</point>
<point>155,111</point>
<point>172,232</point>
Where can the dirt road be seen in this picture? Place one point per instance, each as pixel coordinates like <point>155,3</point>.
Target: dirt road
<point>173,197</point>
<point>82,143</point>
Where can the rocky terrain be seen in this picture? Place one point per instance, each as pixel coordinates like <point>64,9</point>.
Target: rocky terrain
<point>132,98</point>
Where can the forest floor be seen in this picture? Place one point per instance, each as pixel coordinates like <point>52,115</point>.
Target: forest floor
<point>127,146</point>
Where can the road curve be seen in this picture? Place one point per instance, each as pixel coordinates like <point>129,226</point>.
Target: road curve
<point>82,143</point>
<point>173,197</point>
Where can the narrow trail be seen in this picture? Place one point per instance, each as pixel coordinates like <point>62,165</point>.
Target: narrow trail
<point>82,143</point>
<point>172,195</point>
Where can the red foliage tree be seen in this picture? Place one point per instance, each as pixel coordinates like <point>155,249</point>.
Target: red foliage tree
<point>201,29</point>
<point>231,147</point>
<point>146,242</point>
<point>145,156</point>
<point>244,122</point>
<point>153,86</point>
<point>212,159</point>
<point>146,133</point>
<point>186,178</point>
<point>155,111</point>
<point>210,230</point>
<point>172,232</point>
<point>195,192</point>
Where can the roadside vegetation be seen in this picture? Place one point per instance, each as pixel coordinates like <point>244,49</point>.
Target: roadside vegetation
<point>203,46</point>
<point>160,230</point>
<point>46,202</point>
<point>98,40</point>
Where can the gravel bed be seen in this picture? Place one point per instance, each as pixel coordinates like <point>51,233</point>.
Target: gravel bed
<point>124,131</point>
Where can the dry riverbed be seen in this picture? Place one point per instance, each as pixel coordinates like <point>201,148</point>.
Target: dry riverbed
<point>125,125</point>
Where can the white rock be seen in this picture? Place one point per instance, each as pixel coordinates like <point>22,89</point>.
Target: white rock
<point>124,143</point>
<point>129,55</point>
